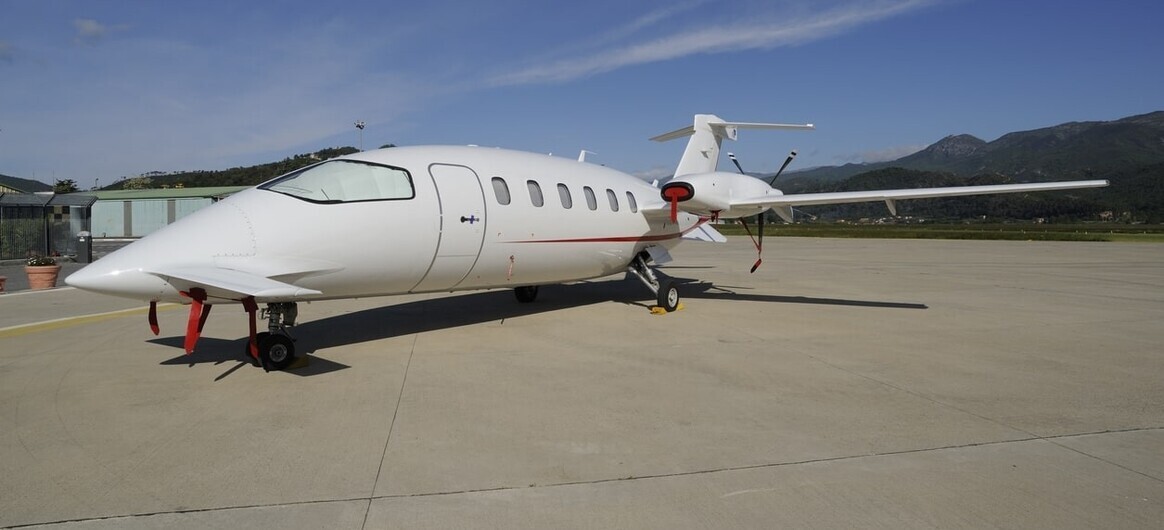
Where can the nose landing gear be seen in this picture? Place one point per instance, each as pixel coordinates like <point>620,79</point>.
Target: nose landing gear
<point>274,349</point>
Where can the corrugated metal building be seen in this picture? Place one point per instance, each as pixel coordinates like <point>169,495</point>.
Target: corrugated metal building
<point>136,213</point>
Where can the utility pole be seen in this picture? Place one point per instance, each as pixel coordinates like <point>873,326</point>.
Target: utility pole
<point>360,126</point>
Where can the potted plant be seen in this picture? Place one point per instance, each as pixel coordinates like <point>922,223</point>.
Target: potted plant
<point>42,272</point>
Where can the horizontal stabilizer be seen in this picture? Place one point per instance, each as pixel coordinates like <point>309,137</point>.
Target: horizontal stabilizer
<point>727,126</point>
<point>232,284</point>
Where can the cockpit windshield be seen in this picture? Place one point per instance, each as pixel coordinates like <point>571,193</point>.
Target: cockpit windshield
<point>338,181</point>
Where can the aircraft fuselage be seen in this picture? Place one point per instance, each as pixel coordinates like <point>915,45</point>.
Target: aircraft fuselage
<point>474,218</point>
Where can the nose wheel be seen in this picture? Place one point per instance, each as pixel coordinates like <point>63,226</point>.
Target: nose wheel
<point>274,348</point>
<point>276,352</point>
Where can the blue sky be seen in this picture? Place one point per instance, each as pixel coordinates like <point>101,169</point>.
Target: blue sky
<point>93,89</point>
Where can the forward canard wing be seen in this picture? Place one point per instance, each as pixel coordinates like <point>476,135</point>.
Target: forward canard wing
<point>230,284</point>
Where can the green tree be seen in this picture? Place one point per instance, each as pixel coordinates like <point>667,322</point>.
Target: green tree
<point>65,186</point>
<point>138,183</point>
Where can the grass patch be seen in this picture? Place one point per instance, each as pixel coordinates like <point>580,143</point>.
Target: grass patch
<point>1012,232</point>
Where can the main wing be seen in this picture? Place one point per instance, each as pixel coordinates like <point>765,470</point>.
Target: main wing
<point>783,204</point>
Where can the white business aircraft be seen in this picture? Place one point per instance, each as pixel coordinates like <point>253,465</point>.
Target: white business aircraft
<point>449,218</point>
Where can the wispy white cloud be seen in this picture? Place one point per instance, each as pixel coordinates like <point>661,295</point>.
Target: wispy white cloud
<point>647,20</point>
<point>605,39</point>
<point>91,32</point>
<point>763,33</point>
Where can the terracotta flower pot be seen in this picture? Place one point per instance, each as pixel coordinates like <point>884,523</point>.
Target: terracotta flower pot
<point>42,276</point>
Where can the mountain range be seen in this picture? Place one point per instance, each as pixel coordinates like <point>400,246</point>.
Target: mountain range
<point>1128,152</point>
<point>1062,152</point>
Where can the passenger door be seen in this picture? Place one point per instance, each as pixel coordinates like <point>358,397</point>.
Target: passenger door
<point>462,230</point>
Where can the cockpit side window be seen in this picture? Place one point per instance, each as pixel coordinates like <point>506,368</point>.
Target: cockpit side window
<point>337,181</point>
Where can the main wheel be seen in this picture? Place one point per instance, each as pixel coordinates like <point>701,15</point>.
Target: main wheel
<point>668,295</point>
<point>259,337</point>
<point>526,294</point>
<point>276,352</point>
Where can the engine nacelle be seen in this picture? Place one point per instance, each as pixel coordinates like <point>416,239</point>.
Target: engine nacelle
<point>711,194</point>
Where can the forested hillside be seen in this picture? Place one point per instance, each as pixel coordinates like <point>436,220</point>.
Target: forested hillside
<point>237,176</point>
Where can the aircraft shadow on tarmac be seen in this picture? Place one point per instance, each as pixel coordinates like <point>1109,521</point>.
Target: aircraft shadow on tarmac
<point>221,351</point>
<point>474,308</point>
<point>708,291</point>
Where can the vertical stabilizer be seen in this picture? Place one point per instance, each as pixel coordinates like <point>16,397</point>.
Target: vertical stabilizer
<point>707,134</point>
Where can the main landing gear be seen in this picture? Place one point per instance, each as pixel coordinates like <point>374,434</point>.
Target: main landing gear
<point>666,294</point>
<point>274,348</point>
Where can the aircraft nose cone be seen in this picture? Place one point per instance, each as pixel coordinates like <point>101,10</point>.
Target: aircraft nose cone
<point>88,278</point>
<point>135,271</point>
<point>126,283</point>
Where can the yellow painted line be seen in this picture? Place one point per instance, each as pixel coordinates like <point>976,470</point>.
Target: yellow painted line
<point>48,325</point>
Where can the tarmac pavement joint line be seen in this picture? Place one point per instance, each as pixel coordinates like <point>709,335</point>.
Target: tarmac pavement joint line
<point>1032,436</point>
<point>1048,439</point>
<point>48,325</point>
<point>372,498</point>
<point>391,425</point>
<point>178,512</point>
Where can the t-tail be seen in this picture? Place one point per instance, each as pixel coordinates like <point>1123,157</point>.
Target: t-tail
<point>707,134</point>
